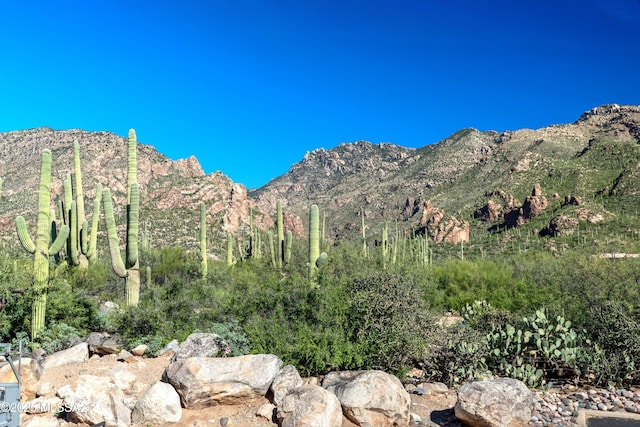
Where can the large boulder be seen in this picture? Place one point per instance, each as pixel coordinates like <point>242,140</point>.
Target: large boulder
<point>310,406</point>
<point>370,398</point>
<point>103,343</point>
<point>159,405</point>
<point>207,381</point>
<point>502,402</point>
<point>203,345</point>
<point>96,399</point>
<point>287,379</point>
<point>77,354</point>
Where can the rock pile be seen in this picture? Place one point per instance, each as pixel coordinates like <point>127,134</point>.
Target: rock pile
<point>178,388</point>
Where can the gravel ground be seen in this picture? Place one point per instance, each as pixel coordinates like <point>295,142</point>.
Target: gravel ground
<point>559,408</point>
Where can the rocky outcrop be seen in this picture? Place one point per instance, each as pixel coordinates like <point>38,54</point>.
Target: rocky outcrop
<point>572,201</point>
<point>370,398</point>
<point>503,402</point>
<point>532,206</point>
<point>441,228</point>
<point>500,202</point>
<point>561,225</point>
<point>411,207</point>
<point>133,394</point>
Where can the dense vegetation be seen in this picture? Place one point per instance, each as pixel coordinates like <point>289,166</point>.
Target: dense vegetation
<point>530,314</point>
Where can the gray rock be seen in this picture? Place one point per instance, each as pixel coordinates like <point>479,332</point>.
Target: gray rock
<point>76,354</point>
<point>139,350</point>
<point>310,406</point>
<point>172,346</point>
<point>96,399</point>
<point>502,402</point>
<point>159,405</point>
<point>287,379</point>
<point>206,381</point>
<point>370,398</point>
<point>103,343</point>
<point>203,345</point>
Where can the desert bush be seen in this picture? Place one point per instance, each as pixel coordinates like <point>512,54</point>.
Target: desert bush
<point>390,320</point>
<point>457,355</point>
<point>463,282</point>
<point>615,333</point>
<point>233,334</point>
<point>58,336</point>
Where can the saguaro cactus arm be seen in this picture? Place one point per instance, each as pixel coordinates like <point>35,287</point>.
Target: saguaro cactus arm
<point>78,179</point>
<point>133,216</point>
<point>132,163</point>
<point>114,243</point>
<point>92,253</point>
<point>23,235</point>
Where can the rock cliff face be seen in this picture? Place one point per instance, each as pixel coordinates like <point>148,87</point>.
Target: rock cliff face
<point>171,191</point>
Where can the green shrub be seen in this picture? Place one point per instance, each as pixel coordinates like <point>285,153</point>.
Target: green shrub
<point>58,336</point>
<point>232,333</point>
<point>389,320</point>
<point>616,334</point>
<point>458,355</point>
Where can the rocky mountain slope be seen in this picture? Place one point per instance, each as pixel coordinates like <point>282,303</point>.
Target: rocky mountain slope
<point>170,190</point>
<point>472,182</point>
<point>599,154</point>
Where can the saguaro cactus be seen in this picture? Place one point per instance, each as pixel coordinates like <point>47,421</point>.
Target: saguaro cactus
<point>129,269</point>
<point>42,247</point>
<point>314,239</point>
<point>81,244</point>
<point>384,245</point>
<point>364,235</point>
<point>280,229</point>
<point>203,240</point>
<point>229,250</point>
<point>91,251</point>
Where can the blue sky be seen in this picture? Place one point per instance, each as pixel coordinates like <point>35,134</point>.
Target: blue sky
<point>248,86</point>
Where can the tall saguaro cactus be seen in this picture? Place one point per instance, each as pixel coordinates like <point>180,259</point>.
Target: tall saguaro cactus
<point>364,235</point>
<point>81,244</point>
<point>280,229</point>
<point>203,239</point>
<point>129,268</point>
<point>42,247</point>
<point>314,239</point>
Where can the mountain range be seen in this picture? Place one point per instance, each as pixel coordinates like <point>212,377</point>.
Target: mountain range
<point>462,188</point>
